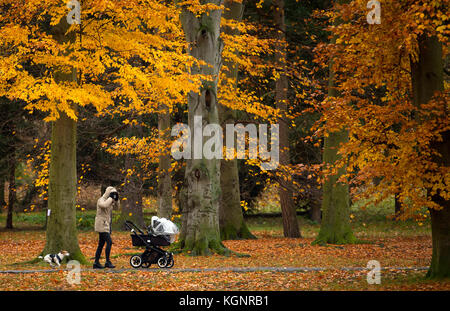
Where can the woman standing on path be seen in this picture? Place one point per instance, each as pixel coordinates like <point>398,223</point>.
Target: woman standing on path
<point>103,221</point>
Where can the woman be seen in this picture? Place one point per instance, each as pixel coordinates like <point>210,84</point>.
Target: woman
<point>103,220</point>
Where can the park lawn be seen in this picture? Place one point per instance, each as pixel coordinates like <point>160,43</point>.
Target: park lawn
<point>393,244</point>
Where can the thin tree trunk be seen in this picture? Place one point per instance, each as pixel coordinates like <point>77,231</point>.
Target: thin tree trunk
<point>131,208</point>
<point>335,227</point>
<point>164,176</point>
<point>61,231</point>
<point>2,194</point>
<point>199,198</point>
<point>397,205</point>
<point>231,217</point>
<point>12,189</point>
<point>427,78</point>
<point>290,223</point>
<point>315,213</point>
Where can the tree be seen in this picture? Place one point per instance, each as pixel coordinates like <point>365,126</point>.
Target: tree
<point>11,188</point>
<point>200,233</point>
<point>19,133</point>
<point>52,72</point>
<point>400,139</point>
<point>288,210</point>
<point>231,218</point>
<point>61,226</point>
<point>2,194</point>
<point>427,78</point>
<point>8,162</point>
<point>335,226</point>
<point>164,168</point>
<point>131,196</point>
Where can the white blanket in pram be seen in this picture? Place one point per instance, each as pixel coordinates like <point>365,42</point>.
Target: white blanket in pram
<point>163,226</point>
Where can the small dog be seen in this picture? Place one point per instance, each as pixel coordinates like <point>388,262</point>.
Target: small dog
<point>55,259</point>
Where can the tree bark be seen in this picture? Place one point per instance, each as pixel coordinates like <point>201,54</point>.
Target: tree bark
<point>335,227</point>
<point>12,189</point>
<point>199,198</point>
<point>290,223</point>
<point>231,217</point>
<point>315,214</point>
<point>2,194</point>
<point>427,77</point>
<point>61,226</point>
<point>61,231</point>
<point>164,175</point>
<point>131,208</point>
<point>440,228</point>
<point>397,205</point>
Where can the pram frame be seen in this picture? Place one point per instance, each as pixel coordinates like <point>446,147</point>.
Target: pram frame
<point>149,247</point>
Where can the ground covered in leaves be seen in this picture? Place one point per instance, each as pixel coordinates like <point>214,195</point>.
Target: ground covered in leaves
<point>395,250</point>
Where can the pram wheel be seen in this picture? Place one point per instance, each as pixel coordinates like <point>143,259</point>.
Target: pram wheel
<point>166,261</point>
<point>136,261</point>
<point>162,262</point>
<point>170,262</point>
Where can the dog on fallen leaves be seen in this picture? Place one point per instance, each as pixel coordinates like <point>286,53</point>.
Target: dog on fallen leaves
<point>55,259</point>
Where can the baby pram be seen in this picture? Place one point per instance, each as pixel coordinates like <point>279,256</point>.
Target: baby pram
<point>161,232</point>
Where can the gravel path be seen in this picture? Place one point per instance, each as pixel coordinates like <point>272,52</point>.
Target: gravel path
<point>222,269</point>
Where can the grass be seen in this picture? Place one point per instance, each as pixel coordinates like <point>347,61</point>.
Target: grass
<point>37,219</point>
<point>372,221</point>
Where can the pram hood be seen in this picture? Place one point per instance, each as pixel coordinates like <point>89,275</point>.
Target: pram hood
<point>163,226</point>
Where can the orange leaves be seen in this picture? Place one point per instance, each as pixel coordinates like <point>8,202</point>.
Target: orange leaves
<point>389,141</point>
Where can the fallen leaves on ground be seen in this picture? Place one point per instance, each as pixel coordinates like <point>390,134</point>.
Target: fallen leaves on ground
<point>266,251</point>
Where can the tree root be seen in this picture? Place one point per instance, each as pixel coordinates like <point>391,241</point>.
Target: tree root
<point>199,249</point>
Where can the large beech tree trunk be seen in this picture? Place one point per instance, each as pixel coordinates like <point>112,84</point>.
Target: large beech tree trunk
<point>427,78</point>
<point>335,227</point>
<point>290,223</point>
<point>164,176</point>
<point>199,198</point>
<point>231,217</point>
<point>61,226</point>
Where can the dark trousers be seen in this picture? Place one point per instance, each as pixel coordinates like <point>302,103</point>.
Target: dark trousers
<point>103,237</point>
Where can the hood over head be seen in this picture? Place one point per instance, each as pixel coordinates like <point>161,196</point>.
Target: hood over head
<point>108,191</point>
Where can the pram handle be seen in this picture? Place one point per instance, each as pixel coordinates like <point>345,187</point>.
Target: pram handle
<point>131,226</point>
